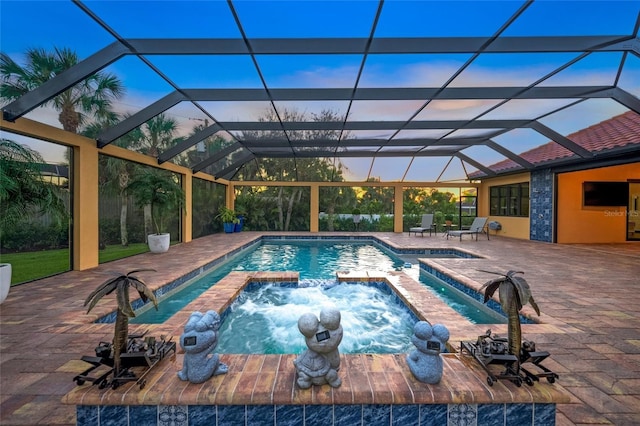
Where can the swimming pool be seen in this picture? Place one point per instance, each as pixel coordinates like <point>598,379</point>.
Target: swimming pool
<point>313,259</point>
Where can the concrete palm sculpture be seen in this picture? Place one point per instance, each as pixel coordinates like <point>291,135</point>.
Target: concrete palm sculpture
<point>120,284</point>
<point>513,293</point>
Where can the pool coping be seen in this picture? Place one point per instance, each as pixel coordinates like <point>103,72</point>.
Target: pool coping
<point>270,379</point>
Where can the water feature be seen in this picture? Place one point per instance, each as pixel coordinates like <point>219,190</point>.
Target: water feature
<point>264,318</point>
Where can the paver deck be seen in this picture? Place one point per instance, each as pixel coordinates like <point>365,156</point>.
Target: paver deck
<point>587,293</point>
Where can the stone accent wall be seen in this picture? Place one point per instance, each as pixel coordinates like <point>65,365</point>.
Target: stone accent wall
<point>541,219</point>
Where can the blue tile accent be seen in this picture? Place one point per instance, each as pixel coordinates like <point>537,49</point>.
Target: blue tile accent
<point>493,415</point>
<point>347,415</point>
<point>289,415</point>
<point>143,414</point>
<point>433,415</point>
<point>87,415</point>
<point>114,415</point>
<point>405,415</point>
<point>519,414</point>
<point>318,415</point>
<point>376,415</point>
<point>544,414</point>
<point>231,415</point>
<point>260,415</point>
<point>541,205</point>
<point>462,414</point>
<point>172,415</point>
<point>201,415</point>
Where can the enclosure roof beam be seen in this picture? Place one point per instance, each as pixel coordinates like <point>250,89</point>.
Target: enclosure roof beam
<point>475,164</point>
<point>509,154</point>
<point>379,45</point>
<point>371,125</point>
<point>188,143</point>
<point>397,93</point>
<point>560,140</point>
<point>417,142</point>
<point>231,169</point>
<point>217,157</point>
<point>61,82</point>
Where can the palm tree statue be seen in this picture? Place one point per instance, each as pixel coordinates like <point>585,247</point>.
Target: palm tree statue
<point>92,96</point>
<point>514,293</point>
<point>121,284</point>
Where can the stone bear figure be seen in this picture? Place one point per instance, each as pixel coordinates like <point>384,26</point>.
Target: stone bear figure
<point>425,362</point>
<point>320,363</point>
<point>199,340</point>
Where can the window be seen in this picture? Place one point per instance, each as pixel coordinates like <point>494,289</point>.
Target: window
<point>510,200</point>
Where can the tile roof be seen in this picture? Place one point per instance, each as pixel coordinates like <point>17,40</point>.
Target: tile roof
<point>616,132</point>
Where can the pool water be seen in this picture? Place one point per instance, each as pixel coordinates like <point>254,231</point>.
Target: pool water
<point>265,319</point>
<point>468,307</point>
<point>312,260</point>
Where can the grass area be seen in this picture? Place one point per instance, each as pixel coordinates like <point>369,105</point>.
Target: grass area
<point>29,266</point>
<point>32,265</point>
<point>118,252</point>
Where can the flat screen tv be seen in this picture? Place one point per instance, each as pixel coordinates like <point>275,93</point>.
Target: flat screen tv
<point>609,194</point>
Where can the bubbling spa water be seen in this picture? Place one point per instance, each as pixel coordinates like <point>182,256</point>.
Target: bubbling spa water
<point>265,320</point>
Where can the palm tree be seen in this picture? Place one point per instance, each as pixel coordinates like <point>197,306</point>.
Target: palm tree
<point>120,284</point>
<point>91,96</point>
<point>115,172</point>
<point>514,293</point>
<point>22,188</point>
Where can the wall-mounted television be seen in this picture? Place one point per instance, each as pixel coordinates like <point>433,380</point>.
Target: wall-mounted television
<point>606,194</point>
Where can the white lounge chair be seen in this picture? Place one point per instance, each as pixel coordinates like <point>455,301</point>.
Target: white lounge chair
<point>477,227</point>
<point>426,225</point>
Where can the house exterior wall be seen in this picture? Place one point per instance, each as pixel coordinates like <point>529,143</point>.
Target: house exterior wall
<point>514,227</point>
<point>579,224</point>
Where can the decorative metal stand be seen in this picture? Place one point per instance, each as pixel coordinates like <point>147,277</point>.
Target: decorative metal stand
<point>488,350</point>
<point>141,352</point>
<point>530,355</point>
<point>493,350</point>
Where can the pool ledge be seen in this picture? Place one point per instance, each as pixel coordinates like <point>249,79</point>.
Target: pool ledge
<point>261,389</point>
<point>366,379</point>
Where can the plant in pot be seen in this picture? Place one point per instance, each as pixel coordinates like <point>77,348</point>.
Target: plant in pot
<point>23,191</point>
<point>163,193</point>
<point>228,218</point>
<point>448,219</point>
<point>355,215</point>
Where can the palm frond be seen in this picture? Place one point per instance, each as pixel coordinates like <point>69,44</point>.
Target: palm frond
<point>102,290</point>
<point>139,270</point>
<point>490,287</point>
<point>534,305</point>
<point>144,292</point>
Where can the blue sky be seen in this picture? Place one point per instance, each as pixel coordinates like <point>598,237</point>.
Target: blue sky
<point>49,24</point>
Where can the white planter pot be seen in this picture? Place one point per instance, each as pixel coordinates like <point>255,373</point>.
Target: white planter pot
<point>5,280</point>
<point>158,243</point>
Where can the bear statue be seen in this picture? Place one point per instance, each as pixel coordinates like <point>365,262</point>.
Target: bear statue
<point>199,340</point>
<point>425,362</point>
<point>319,364</point>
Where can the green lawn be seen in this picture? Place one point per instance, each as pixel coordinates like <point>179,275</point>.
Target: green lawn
<point>29,266</point>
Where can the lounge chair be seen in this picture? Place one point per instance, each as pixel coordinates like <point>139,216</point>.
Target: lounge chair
<point>478,225</point>
<point>426,225</point>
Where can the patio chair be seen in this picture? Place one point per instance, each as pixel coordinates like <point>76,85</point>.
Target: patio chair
<point>478,225</point>
<point>426,225</point>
